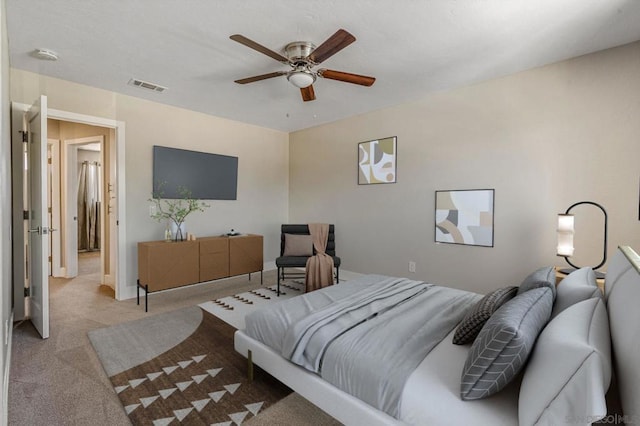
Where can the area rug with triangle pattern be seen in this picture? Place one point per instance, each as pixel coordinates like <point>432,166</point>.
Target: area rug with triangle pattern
<point>180,367</point>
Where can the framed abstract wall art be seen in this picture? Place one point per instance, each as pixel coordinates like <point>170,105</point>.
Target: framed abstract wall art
<point>377,161</point>
<point>465,217</point>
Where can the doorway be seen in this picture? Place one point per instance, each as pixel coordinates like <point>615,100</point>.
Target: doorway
<point>87,199</point>
<point>112,204</point>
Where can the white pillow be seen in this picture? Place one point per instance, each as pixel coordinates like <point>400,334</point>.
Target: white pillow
<point>577,286</point>
<point>569,370</point>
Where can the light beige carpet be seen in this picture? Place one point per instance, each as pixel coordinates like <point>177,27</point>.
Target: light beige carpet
<point>60,381</point>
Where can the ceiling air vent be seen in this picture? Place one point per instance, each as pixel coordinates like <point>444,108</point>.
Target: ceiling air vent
<point>147,85</point>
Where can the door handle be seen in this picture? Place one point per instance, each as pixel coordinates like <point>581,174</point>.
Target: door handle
<point>36,230</point>
<point>52,229</point>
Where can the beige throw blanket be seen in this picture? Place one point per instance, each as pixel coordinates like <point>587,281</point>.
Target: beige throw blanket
<point>319,270</point>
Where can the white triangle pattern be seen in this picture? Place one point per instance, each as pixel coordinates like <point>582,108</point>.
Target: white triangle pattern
<point>130,408</point>
<point>181,414</point>
<point>199,378</point>
<point>238,417</point>
<point>255,407</point>
<point>232,388</point>
<point>198,358</point>
<point>119,389</point>
<point>200,404</point>
<point>214,371</point>
<point>164,393</point>
<point>148,401</point>
<point>153,376</point>
<point>163,422</point>
<point>136,382</point>
<point>183,385</point>
<point>169,370</point>
<point>217,396</point>
<point>185,364</point>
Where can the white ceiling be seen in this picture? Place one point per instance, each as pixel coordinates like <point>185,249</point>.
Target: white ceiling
<point>412,47</point>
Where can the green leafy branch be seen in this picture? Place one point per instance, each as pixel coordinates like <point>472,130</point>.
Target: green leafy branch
<point>178,209</point>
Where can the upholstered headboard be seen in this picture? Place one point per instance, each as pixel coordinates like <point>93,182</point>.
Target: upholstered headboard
<point>622,292</point>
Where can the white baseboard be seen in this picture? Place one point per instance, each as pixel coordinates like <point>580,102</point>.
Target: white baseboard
<point>5,379</point>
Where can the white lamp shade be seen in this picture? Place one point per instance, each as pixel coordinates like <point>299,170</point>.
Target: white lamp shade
<point>565,244</point>
<point>301,79</point>
<point>565,223</point>
<point>565,235</point>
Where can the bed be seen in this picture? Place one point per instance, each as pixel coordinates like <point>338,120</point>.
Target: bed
<point>566,390</point>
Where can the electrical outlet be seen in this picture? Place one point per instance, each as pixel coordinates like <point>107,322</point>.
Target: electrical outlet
<point>412,266</point>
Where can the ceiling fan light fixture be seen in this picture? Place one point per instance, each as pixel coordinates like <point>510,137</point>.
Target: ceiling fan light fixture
<point>301,78</point>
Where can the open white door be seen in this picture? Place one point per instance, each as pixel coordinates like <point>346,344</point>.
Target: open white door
<point>36,123</point>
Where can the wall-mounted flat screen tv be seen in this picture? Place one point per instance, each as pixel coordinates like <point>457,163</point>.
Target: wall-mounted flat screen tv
<point>207,176</point>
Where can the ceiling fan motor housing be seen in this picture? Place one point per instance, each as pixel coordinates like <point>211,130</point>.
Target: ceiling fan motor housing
<point>299,50</point>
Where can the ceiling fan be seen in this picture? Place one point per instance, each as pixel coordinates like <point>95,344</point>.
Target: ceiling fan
<point>302,56</point>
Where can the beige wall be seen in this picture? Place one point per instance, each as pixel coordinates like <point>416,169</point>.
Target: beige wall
<point>543,139</point>
<point>262,203</point>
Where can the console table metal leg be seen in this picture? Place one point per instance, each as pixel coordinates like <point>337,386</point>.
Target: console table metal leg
<point>250,366</point>
<point>138,292</point>
<point>146,298</point>
<point>261,281</point>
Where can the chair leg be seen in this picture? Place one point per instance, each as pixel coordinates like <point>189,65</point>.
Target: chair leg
<point>338,275</point>
<point>278,291</point>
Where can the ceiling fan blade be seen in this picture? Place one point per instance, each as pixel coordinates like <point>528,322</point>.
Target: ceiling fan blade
<point>260,48</point>
<point>362,80</point>
<point>331,46</point>
<point>307,93</point>
<point>260,77</point>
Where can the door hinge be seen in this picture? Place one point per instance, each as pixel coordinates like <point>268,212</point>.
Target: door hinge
<point>49,161</point>
<point>49,210</point>
<point>25,136</point>
<point>50,259</point>
<point>27,292</point>
<point>25,214</point>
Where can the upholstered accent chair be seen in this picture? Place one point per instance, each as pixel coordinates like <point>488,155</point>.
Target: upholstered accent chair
<point>294,251</point>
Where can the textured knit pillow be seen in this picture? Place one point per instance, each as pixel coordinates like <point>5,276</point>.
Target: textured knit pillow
<point>477,316</point>
<point>298,245</point>
<point>504,344</point>
<point>577,286</point>
<point>543,277</point>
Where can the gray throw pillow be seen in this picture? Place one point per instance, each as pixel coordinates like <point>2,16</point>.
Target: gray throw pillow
<point>577,286</point>
<point>543,277</point>
<point>297,245</point>
<point>477,316</point>
<point>504,344</point>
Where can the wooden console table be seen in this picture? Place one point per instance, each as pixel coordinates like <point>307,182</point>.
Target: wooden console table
<point>164,265</point>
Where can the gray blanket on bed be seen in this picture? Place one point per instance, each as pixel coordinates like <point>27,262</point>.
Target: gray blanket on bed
<point>370,339</point>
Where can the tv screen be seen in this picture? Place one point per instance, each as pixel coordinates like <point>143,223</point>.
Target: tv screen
<point>207,176</point>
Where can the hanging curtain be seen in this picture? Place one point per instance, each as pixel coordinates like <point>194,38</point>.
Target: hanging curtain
<point>89,198</point>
